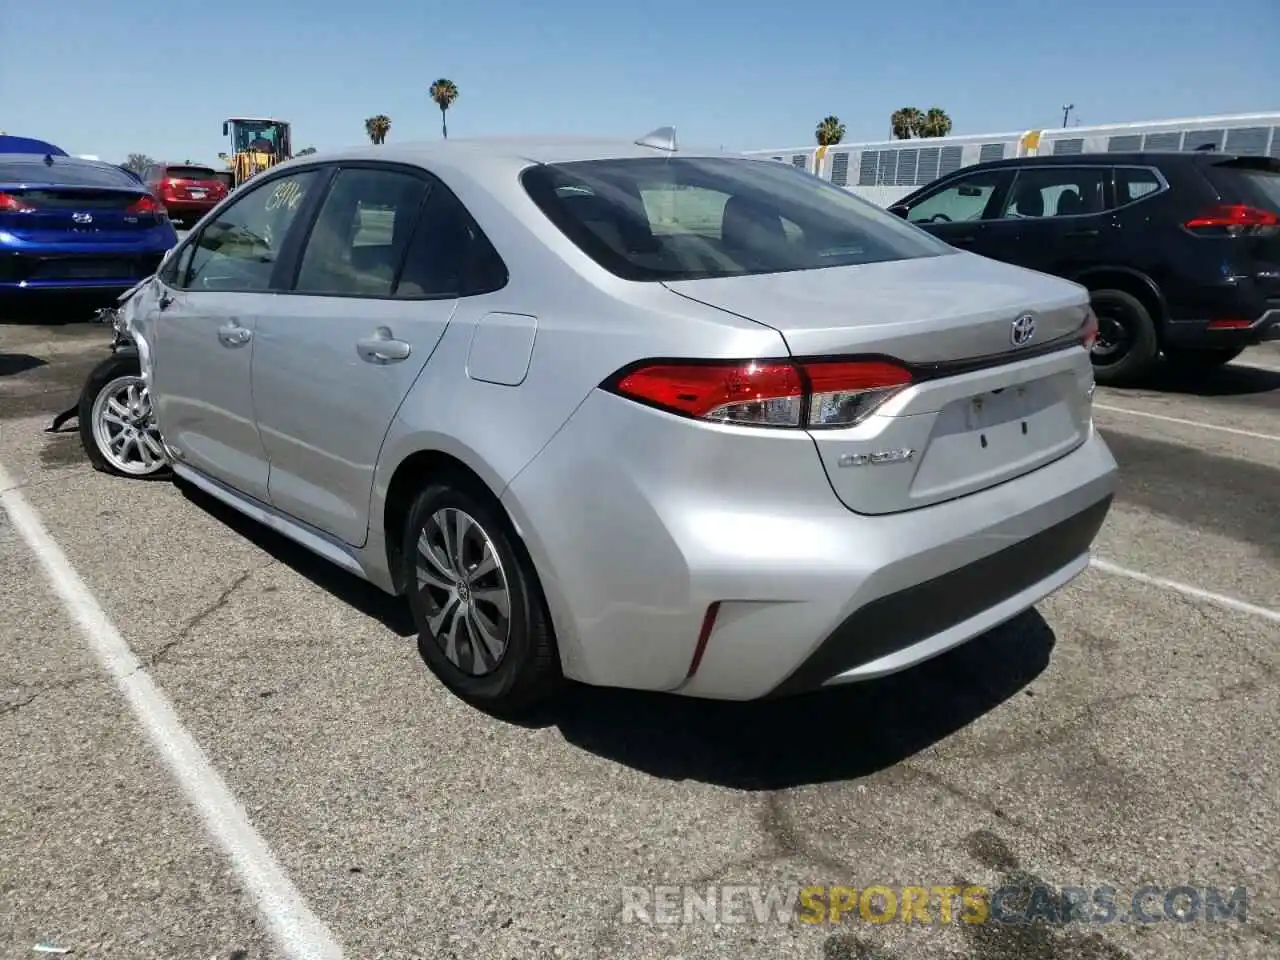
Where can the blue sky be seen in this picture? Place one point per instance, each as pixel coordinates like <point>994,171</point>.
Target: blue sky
<point>110,77</point>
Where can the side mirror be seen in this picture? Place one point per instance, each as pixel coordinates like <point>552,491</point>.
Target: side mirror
<point>225,130</point>
<point>898,210</point>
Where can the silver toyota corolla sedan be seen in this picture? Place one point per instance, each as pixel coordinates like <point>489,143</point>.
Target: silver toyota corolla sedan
<point>628,414</point>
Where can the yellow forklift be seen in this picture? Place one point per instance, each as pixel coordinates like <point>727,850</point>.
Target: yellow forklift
<point>257,144</point>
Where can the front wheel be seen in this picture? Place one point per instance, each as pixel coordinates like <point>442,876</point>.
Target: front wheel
<point>117,425</point>
<point>483,625</point>
<point>1204,359</point>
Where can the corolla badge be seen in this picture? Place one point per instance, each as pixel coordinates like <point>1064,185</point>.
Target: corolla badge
<point>877,457</point>
<point>82,217</point>
<point>1024,328</point>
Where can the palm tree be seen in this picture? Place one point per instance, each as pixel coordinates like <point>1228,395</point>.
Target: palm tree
<point>906,123</point>
<point>377,127</point>
<point>830,131</point>
<point>444,92</point>
<point>936,123</point>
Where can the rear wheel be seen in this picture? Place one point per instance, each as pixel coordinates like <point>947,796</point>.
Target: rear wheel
<point>1126,348</point>
<point>483,626</point>
<point>1206,358</point>
<point>117,425</point>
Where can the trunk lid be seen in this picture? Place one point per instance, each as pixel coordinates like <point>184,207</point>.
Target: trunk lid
<point>51,214</point>
<point>981,409</point>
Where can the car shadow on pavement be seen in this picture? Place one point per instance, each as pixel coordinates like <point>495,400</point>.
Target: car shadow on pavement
<point>826,736</point>
<point>392,612</point>
<point>55,310</point>
<point>12,364</point>
<point>1228,381</point>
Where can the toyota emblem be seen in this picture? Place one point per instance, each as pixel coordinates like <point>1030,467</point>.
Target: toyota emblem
<point>1024,328</point>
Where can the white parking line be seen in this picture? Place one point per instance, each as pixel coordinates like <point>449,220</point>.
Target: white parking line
<point>296,930</point>
<point>1187,590</point>
<point>1275,438</point>
<point>1252,365</point>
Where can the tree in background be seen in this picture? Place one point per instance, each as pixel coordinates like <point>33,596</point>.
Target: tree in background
<point>936,123</point>
<point>377,128</point>
<point>306,151</point>
<point>830,131</point>
<point>137,162</point>
<point>906,123</point>
<point>444,92</point>
<point>912,122</point>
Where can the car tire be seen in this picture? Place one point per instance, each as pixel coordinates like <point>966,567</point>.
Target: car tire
<point>1207,358</point>
<point>1122,315</point>
<point>526,671</point>
<point>119,378</point>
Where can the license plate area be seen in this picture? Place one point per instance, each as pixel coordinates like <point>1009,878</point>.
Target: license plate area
<point>993,436</point>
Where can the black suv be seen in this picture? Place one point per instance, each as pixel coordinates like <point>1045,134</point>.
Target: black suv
<point>1180,251</point>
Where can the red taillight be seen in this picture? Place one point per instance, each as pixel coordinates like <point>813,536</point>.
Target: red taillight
<point>1235,219</point>
<point>11,204</point>
<point>1089,330</point>
<point>766,393</point>
<point>146,206</point>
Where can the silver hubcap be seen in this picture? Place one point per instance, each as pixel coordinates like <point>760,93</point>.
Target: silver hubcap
<point>124,427</point>
<point>464,587</point>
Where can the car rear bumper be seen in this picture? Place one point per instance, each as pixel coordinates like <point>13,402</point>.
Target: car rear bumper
<point>637,534</point>
<point>101,269</point>
<point>1248,330</point>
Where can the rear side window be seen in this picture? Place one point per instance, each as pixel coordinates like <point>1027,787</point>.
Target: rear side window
<point>660,218</point>
<point>71,173</point>
<point>1056,192</point>
<point>449,255</point>
<point>1134,183</point>
<point>361,233</point>
<point>1256,183</point>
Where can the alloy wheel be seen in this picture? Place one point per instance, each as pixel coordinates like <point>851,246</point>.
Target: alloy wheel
<point>468,599</point>
<point>124,427</point>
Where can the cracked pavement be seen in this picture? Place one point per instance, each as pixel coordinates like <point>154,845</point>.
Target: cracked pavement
<point>1119,735</point>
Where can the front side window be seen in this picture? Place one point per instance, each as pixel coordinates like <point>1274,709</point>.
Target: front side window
<point>960,201</point>
<point>657,218</point>
<point>238,251</point>
<point>361,234</point>
<point>1056,192</point>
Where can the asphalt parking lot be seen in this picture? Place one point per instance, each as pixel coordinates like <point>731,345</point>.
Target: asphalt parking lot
<point>1122,735</point>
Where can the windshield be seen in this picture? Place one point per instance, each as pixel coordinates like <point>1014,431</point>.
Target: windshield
<point>72,173</point>
<point>691,218</point>
<point>191,173</point>
<point>248,132</point>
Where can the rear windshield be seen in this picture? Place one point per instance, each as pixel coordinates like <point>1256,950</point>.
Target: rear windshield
<point>691,218</point>
<point>72,173</point>
<point>1255,182</point>
<point>191,173</point>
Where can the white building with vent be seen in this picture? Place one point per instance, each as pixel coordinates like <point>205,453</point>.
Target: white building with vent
<point>887,171</point>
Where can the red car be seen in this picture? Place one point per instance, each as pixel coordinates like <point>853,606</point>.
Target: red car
<point>187,191</point>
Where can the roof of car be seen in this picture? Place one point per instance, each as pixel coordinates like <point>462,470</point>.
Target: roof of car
<point>1132,157</point>
<point>532,149</point>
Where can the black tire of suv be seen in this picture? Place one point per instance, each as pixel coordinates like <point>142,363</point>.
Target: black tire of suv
<point>114,366</point>
<point>529,673</point>
<point>1206,358</point>
<point>1144,346</point>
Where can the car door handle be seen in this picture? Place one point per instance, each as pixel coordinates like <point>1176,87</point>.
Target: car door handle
<point>382,347</point>
<point>234,335</point>
<point>962,240</point>
<point>1091,232</point>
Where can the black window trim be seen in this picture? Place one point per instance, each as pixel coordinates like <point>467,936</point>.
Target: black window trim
<point>287,250</point>
<point>1108,183</point>
<point>433,184</point>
